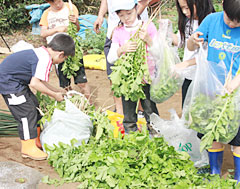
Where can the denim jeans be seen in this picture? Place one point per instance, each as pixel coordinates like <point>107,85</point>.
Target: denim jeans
<point>129,110</point>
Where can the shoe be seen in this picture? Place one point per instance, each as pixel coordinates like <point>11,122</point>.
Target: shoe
<point>140,114</point>
<point>30,150</point>
<point>237,166</point>
<point>215,160</point>
<point>152,132</point>
<point>38,142</point>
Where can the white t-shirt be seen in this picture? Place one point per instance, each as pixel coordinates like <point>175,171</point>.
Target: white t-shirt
<point>189,72</point>
<point>113,18</point>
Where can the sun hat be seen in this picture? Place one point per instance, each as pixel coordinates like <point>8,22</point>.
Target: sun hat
<point>124,5</point>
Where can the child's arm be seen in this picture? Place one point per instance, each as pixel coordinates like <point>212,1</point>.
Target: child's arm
<point>185,64</point>
<point>74,20</point>
<point>116,51</point>
<point>234,84</point>
<point>43,87</point>
<point>45,31</point>
<point>194,40</point>
<point>102,11</point>
<point>141,6</point>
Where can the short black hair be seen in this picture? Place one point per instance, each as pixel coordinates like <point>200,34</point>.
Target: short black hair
<point>63,42</point>
<point>232,9</point>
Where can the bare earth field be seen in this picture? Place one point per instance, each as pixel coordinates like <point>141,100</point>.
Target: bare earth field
<point>102,97</point>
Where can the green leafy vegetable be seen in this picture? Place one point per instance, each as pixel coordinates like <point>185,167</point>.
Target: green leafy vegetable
<point>129,71</point>
<point>218,119</point>
<point>72,64</point>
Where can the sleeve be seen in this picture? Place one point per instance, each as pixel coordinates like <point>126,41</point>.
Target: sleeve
<point>112,55</point>
<point>43,21</point>
<point>43,66</point>
<point>152,30</point>
<point>204,27</point>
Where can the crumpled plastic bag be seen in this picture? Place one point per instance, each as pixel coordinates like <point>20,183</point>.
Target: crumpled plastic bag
<point>67,125</point>
<point>181,138</point>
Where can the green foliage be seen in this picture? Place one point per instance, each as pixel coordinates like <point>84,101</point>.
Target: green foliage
<point>133,162</point>
<point>218,119</point>
<point>93,43</point>
<point>129,71</point>
<point>166,84</point>
<point>72,64</point>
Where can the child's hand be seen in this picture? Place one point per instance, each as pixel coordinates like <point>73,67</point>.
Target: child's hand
<point>73,19</point>
<point>143,34</point>
<point>127,47</point>
<point>59,96</point>
<point>233,84</point>
<point>195,38</point>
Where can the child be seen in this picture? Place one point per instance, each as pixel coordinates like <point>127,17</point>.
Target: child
<point>56,20</point>
<point>190,15</point>
<point>127,12</point>
<point>222,32</point>
<point>31,68</point>
<point>113,20</point>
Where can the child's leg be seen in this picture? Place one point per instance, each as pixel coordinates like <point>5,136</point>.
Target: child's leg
<point>64,82</point>
<point>185,86</point>
<point>236,155</point>
<point>149,107</point>
<point>216,157</point>
<point>23,107</point>
<point>130,116</point>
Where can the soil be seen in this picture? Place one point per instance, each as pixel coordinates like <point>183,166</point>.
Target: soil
<point>102,97</point>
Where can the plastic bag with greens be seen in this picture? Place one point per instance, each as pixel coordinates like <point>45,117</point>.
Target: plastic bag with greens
<point>166,82</point>
<point>209,109</point>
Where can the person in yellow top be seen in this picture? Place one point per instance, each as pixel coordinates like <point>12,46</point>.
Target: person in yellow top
<point>55,20</point>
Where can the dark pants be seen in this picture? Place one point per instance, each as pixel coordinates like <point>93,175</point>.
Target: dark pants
<point>79,78</point>
<point>107,46</point>
<point>25,112</point>
<point>185,87</point>
<point>129,110</point>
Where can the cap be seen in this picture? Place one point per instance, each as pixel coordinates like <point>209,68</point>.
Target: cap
<point>124,5</point>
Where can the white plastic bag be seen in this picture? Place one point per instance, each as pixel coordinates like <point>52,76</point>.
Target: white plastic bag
<point>21,45</point>
<point>181,138</point>
<point>165,82</point>
<point>208,108</point>
<point>66,125</point>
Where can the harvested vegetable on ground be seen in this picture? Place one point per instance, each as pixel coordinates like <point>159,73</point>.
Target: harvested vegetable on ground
<point>217,119</point>
<point>133,162</point>
<point>72,64</point>
<point>8,125</point>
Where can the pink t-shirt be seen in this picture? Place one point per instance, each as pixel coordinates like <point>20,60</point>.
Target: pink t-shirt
<point>121,36</point>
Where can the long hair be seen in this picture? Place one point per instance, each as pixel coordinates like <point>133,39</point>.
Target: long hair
<point>203,8</point>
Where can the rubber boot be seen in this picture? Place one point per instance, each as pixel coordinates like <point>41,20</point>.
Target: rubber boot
<point>215,160</point>
<point>237,166</point>
<point>30,150</point>
<point>38,142</point>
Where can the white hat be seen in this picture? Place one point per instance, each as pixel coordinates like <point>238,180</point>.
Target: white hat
<point>123,5</point>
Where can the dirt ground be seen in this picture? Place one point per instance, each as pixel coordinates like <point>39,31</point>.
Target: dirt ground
<point>102,97</point>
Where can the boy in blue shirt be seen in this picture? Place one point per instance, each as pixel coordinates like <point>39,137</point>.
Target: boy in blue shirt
<point>31,68</point>
<point>222,32</point>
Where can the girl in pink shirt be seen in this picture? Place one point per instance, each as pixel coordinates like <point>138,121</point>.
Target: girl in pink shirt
<point>129,24</point>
